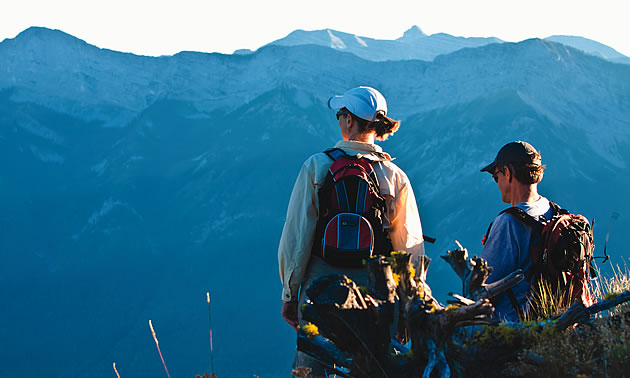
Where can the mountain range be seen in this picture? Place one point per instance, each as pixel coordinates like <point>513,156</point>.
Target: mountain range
<point>132,185</point>
<point>415,44</point>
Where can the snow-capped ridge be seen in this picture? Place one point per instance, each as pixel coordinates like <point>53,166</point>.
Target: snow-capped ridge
<point>413,45</point>
<point>335,42</point>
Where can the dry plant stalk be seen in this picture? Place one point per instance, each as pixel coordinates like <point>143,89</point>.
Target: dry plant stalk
<point>210,325</point>
<point>158,348</point>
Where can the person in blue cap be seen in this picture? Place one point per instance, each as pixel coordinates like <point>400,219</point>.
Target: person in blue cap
<point>517,170</point>
<point>362,117</point>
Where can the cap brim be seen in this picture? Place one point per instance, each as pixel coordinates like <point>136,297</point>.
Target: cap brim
<point>488,168</point>
<point>336,102</point>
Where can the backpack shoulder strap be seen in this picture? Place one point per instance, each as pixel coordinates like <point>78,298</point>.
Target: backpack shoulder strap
<point>485,237</point>
<point>335,153</point>
<point>522,216</point>
<point>557,209</point>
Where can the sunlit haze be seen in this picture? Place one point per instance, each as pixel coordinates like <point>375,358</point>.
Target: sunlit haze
<point>161,27</point>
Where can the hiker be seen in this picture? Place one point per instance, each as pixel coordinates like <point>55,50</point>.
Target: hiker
<point>307,251</point>
<point>517,170</point>
<point>535,235</point>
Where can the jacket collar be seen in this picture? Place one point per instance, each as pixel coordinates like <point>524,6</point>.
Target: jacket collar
<point>369,150</point>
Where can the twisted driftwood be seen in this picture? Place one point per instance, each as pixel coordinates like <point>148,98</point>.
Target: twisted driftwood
<point>357,332</point>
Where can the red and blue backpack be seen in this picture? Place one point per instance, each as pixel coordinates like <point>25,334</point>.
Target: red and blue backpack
<point>351,211</point>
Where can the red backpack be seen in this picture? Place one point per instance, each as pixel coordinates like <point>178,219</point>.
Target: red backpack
<point>351,210</point>
<point>561,251</point>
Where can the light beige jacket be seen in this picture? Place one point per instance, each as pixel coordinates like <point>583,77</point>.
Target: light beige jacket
<point>402,220</point>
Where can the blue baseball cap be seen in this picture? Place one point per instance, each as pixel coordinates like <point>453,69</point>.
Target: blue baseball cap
<point>363,102</point>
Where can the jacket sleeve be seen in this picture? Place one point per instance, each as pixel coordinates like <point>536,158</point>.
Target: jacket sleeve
<point>299,231</point>
<point>405,229</point>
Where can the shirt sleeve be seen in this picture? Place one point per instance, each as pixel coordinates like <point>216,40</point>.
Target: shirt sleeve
<point>298,233</point>
<point>405,229</point>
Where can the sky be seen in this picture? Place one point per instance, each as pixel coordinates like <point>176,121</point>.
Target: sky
<point>160,27</point>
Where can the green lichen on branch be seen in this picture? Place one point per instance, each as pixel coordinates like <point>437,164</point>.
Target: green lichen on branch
<point>610,296</point>
<point>310,330</point>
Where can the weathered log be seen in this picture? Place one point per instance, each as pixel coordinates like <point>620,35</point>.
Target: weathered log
<point>364,325</point>
<point>356,331</point>
<point>474,272</point>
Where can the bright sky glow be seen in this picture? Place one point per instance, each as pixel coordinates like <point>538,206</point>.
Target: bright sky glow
<point>161,27</point>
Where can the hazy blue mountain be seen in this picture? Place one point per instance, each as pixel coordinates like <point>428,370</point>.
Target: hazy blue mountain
<point>414,44</point>
<point>591,47</point>
<point>132,185</point>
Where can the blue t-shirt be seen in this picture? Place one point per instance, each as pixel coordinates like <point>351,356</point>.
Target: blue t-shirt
<point>507,249</point>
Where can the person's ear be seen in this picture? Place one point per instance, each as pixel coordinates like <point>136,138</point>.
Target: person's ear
<point>350,121</point>
<point>508,173</point>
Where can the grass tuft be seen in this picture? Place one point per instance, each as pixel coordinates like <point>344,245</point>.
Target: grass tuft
<point>600,350</point>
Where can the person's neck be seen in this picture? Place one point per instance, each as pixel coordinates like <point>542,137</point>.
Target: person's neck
<point>364,138</point>
<point>524,193</point>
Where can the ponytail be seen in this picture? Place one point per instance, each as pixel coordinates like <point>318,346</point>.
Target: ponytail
<point>384,126</point>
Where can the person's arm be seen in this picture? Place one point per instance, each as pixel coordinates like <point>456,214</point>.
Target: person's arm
<point>297,239</point>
